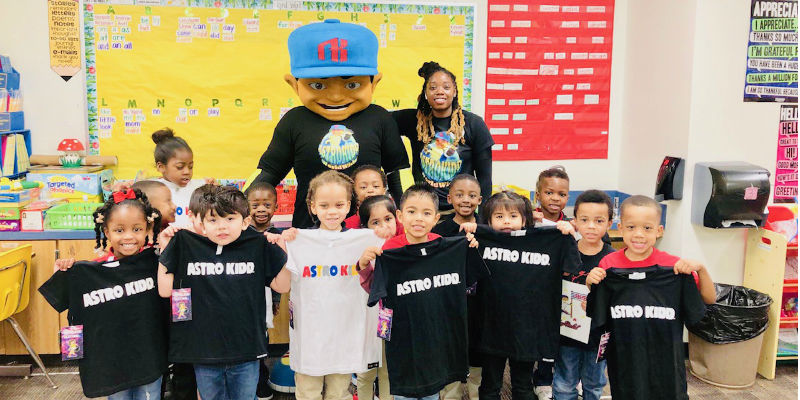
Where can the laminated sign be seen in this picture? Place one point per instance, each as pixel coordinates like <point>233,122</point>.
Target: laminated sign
<point>65,37</point>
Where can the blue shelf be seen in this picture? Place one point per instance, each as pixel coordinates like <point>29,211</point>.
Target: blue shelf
<point>47,235</point>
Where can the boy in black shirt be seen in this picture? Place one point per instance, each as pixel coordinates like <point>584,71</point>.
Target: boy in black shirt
<point>225,273</point>
<point>576,361</point>
<point>645,299</point>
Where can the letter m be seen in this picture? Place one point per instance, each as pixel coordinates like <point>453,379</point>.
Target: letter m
<point>338,49</point>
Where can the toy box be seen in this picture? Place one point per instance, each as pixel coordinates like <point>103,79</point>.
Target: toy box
<point>32,217</point>
<point>74,186</point>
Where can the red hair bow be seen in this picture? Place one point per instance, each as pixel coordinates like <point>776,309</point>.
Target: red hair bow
<point>123,195</point>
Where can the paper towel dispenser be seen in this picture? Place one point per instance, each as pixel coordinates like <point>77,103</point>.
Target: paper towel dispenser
<point>729,194</point>
<point>669,183</point>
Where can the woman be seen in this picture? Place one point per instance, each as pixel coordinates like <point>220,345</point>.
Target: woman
<point>445,140</point>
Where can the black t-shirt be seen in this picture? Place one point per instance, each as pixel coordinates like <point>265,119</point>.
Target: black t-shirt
<point>425,285</point>
<point>437,163</point>
<point>645,310</point>
<point>228,303</point>
<point>447,227</point>
<point>311,144</point>
<point>520,301</point>
<point>124,320</point>
<point>588,262</point>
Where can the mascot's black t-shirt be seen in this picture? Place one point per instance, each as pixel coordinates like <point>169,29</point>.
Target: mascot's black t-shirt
<point>439,161</point>
<point>645,310</point>
<point>425,285</point>
<point>124,320</point>
<point>311,144</point>
<point>227,283</point>
<point>520,302</point>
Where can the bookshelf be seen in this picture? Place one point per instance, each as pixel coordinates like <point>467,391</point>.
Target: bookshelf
<point>19,152</point>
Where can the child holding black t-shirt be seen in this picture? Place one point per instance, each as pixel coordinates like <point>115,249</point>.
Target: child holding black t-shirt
<point>113,302</point>
<point>577,362</point>
<point>217,286</point>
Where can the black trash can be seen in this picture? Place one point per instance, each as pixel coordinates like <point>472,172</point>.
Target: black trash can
<point>725,345</point>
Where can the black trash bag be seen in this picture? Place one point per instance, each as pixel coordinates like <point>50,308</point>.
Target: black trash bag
<point>739,314</point>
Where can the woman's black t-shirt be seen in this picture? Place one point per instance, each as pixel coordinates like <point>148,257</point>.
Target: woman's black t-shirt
<point>440,160</point>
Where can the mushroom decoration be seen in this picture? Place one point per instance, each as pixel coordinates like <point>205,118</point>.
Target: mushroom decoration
<point>70,148</point>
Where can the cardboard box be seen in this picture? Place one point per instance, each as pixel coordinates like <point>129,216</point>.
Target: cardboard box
<point>9,225</point>
<point>32,216</point>
<point>75,186</point>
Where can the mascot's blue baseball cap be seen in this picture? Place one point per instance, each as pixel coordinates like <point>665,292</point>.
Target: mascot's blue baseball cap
<point>332,48</point>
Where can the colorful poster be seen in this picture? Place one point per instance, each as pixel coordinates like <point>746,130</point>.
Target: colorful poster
<point>786,168</point>
<point>772,52</point>
<point>548,78</point>
<point>65,37</point>
<point>213,71</point>
<point>574,322</point>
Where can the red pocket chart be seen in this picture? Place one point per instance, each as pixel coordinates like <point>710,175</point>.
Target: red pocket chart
<point>548,75</point>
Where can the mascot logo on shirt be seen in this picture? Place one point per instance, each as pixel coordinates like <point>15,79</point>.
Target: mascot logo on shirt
<point>338,149</point>
<point>440,160</point>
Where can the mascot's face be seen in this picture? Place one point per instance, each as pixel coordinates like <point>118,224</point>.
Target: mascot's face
<point>335,98</point>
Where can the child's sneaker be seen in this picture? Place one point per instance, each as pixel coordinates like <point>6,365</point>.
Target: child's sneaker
<point>543,392</point>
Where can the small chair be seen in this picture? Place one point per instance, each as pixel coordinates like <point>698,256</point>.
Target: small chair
<point>15,291</point>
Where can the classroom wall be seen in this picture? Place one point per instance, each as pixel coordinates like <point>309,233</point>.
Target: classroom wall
<point>685,74</point>
<point>677,81</point>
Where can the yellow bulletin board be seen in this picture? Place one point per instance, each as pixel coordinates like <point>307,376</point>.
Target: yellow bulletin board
<point>213,71</point>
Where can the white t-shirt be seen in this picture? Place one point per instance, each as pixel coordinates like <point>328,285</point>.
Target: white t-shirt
<point>181,197</point>
<point>332,331</point>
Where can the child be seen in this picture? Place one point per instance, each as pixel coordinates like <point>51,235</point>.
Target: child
<point>552,193</point>
<point>263,198</point>
<point>519,304</point>
<point>221,276</point>
<point>330,337</point>
<point>379,213</point>
<point>410,377</point>
<point>160,197</point>
<point>175,162</point>
<point>368,180</point>
<point>577,362</point>
<point>113,300</point>
<point>465,196</point>
<point>645,353</point>
<point>195,204</point>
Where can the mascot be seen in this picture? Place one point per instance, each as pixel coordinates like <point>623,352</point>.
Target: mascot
<point>334,71</point>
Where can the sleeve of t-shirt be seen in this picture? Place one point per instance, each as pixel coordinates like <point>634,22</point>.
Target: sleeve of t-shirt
<point>56,290</point>
<point>597,304</point>
<point>570,257</point>
<point>278,159</point>
<point>393,152</point>
<point>379,282</point>
<point>291,263</point>
<point>406,121</point>
<point>692,307</point>
<point>275,259</point>
<point>476,267</point>
<point>169,257</point>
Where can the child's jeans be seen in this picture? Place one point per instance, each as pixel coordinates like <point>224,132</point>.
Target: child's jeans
<point>236,381</point>
<point>492,378</point>
<point>575,365</point>
<point>148,391</point>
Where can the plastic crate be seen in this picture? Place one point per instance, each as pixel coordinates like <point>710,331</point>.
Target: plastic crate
<point>76,216</point>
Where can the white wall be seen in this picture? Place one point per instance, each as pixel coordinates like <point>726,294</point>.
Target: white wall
<point>683,97</point>
<point>54,109</point>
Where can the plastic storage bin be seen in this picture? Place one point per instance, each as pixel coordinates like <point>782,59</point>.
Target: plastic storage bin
<point>76,216</point>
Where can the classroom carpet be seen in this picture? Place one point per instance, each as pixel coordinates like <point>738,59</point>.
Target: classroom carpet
<point>65,375</point>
